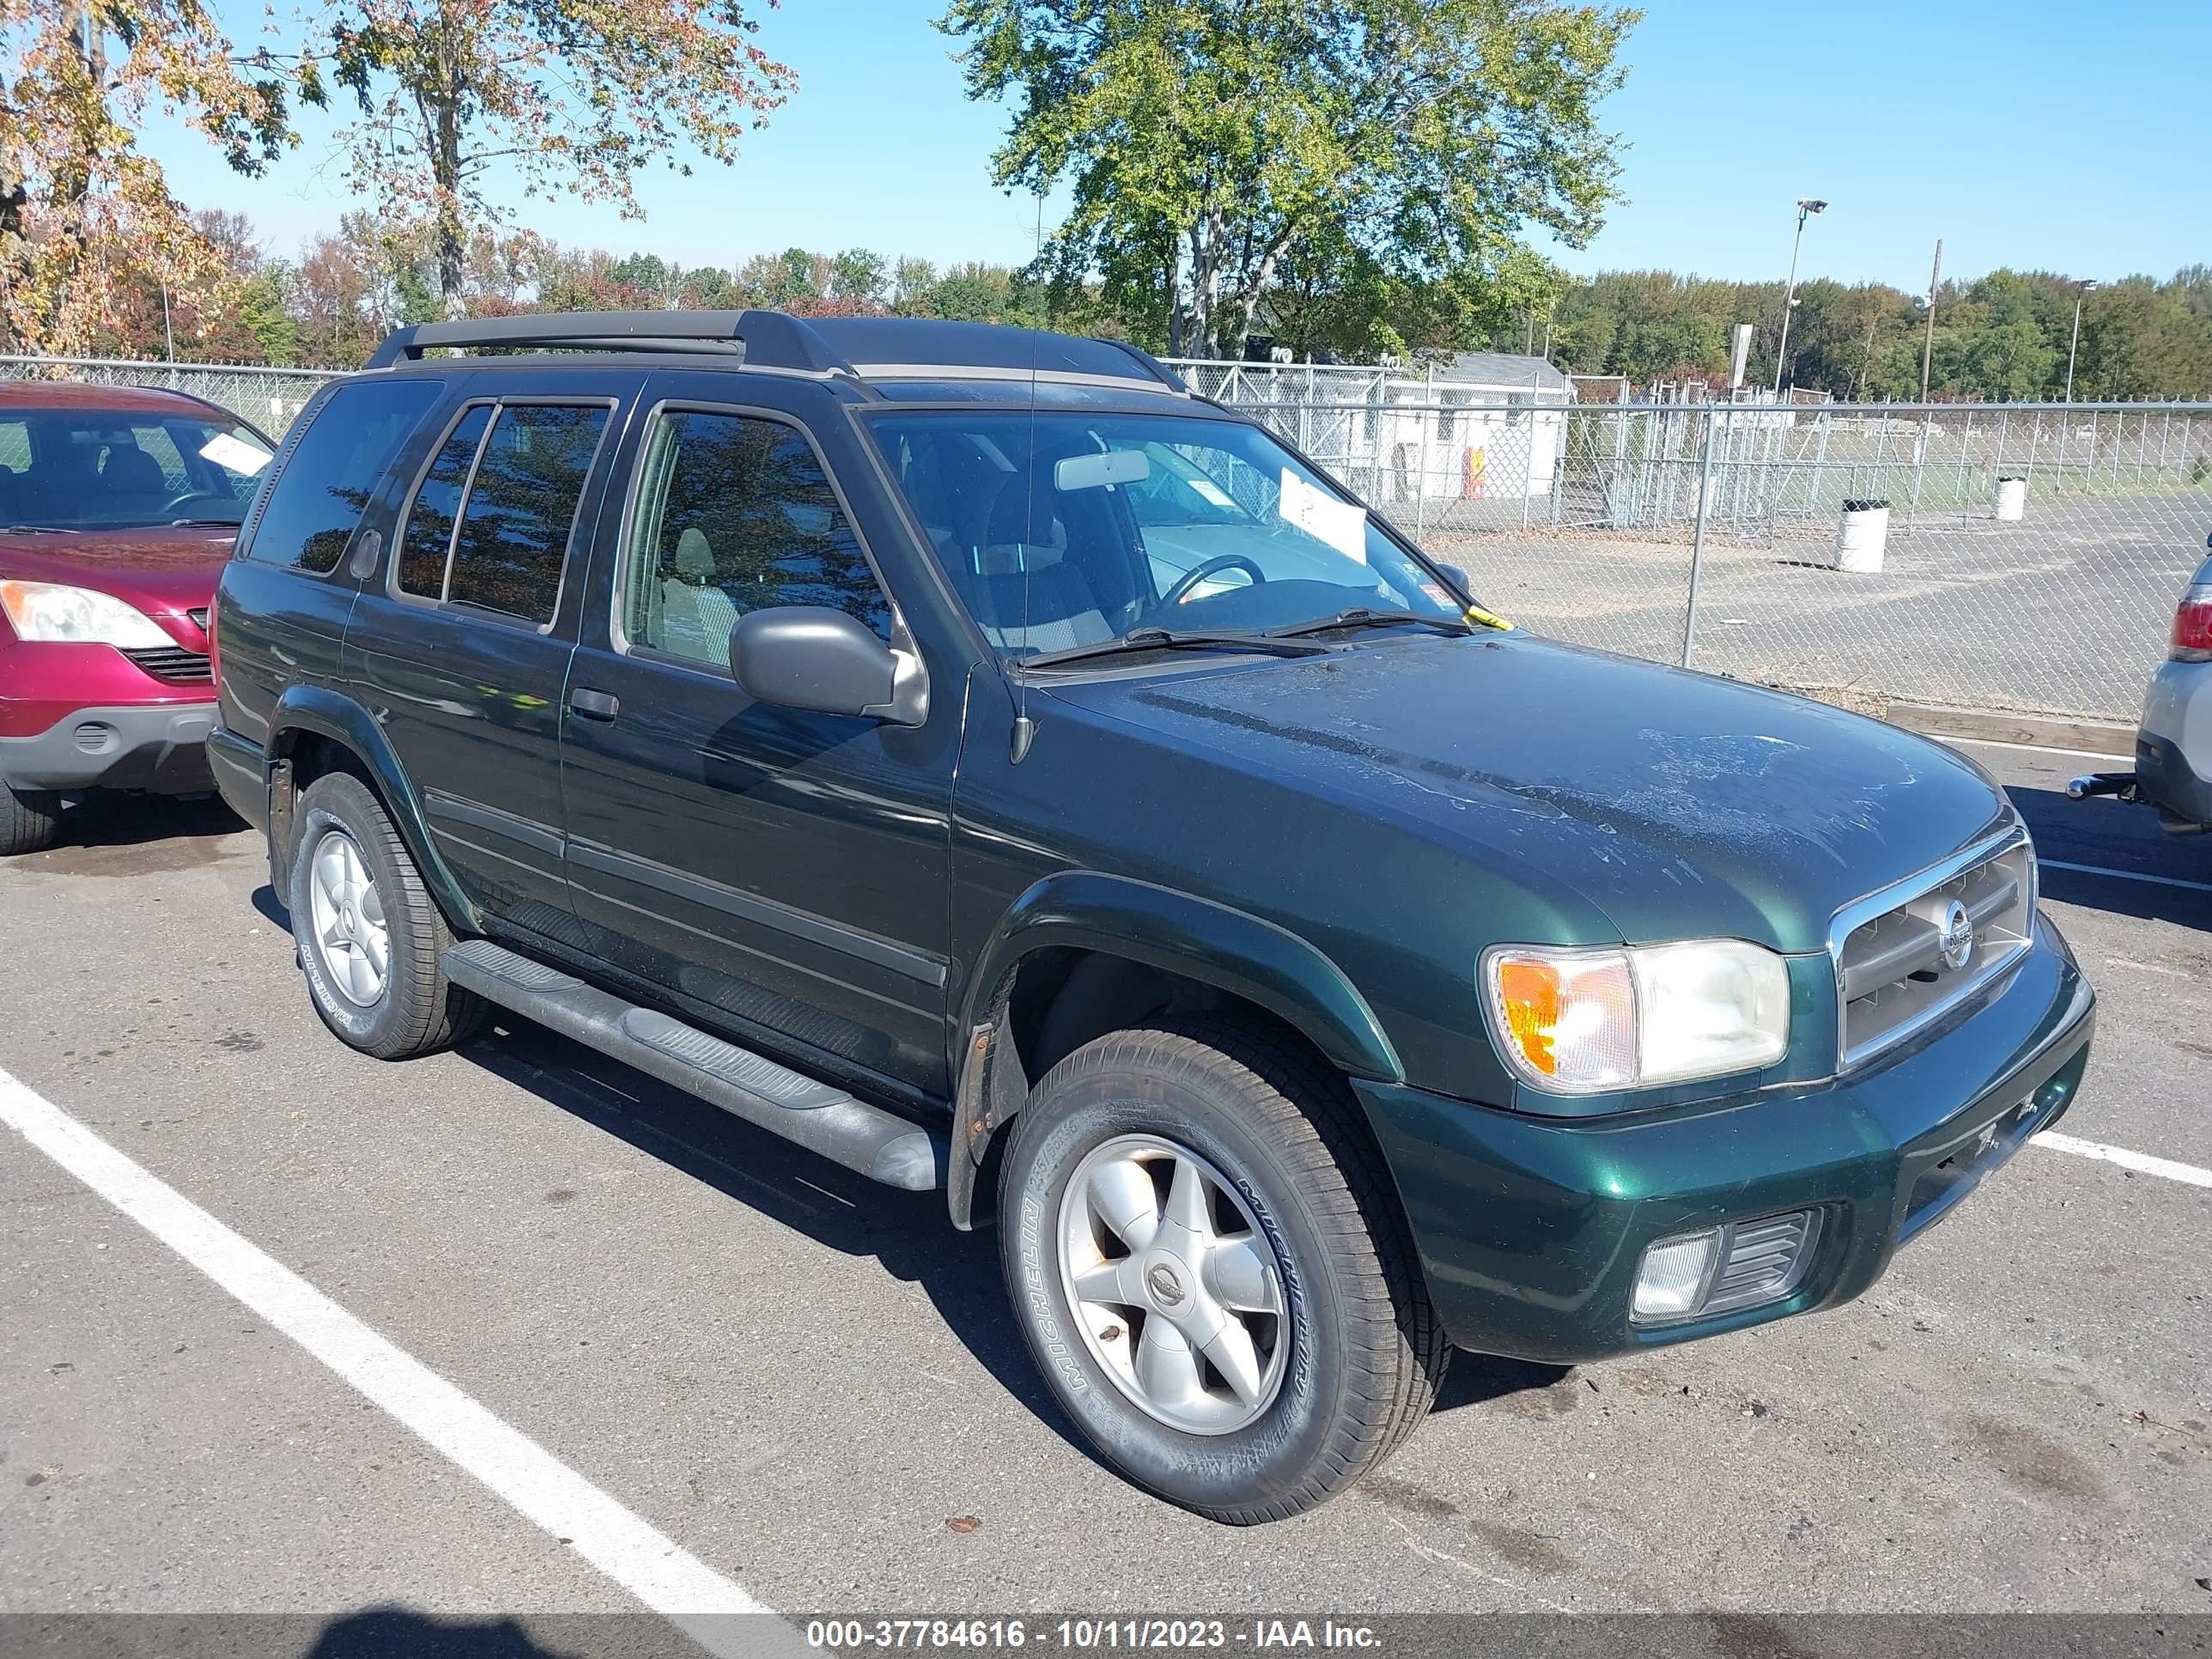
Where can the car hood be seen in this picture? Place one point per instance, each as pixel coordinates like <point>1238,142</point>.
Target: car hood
<point>1680,804</point>
<point>160,567</point>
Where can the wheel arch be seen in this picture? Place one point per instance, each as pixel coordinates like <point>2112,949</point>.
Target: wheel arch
<point>1082,953</point>
<point>314,730</point>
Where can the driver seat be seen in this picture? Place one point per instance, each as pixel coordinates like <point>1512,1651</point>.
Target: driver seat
<point>1020,584</point>
<point>129,476</point>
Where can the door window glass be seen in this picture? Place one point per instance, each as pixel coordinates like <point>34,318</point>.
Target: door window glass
<point>429,539</point>
<point>521,508</point>
<point>735,514</point>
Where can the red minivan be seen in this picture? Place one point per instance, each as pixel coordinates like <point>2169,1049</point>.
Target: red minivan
<point>118,508</point>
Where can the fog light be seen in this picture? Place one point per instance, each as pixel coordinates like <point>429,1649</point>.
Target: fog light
<point>1673,1279</point>
<point>1740,1264</point>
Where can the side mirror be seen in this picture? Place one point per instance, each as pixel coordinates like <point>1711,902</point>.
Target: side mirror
<point>1457,575</point>
<point>816,657</point>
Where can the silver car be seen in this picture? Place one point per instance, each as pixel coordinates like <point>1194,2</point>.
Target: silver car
<point>2173,749</point>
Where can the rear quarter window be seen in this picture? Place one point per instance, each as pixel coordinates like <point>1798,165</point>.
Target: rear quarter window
<point>326,482</point>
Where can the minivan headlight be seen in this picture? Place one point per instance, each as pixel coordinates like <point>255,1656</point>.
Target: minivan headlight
<point>47,611</point>
<point>1587,1021</point>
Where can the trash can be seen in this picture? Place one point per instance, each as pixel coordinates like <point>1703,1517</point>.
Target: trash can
<point>1862,537</point>
<point>2012,500</point>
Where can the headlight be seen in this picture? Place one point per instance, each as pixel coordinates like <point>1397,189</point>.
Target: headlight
<point>1582,1022</point>
<point>45,611</point>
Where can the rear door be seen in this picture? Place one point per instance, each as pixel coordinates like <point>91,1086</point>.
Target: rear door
<point>461,651</point>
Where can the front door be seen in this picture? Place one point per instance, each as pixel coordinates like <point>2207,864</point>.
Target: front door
<point>462,651</point>
<point>779,871</point>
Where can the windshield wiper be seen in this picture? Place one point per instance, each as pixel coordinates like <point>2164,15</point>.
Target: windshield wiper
<point>1163,638</point>
<point>40,530</point>
<point>1362,616</point>
<point>185,523</point>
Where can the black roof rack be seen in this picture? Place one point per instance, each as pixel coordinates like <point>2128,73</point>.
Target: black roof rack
<point>768,337</point>
<point>865,348</point>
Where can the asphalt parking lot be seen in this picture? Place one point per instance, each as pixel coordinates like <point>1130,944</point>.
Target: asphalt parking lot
<point>805,1381</point>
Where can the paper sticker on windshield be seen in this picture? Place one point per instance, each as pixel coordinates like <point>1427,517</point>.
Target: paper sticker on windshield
<point>1342,525</point>
<point>235,454</point>
<point>1212,492</point>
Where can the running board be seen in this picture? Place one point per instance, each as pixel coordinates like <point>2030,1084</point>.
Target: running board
<point>822,1119</point>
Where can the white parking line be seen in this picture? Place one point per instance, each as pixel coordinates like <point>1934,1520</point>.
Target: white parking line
<point>2126,875</point>
<point>2142,1163</point>
<point>644,1561</point>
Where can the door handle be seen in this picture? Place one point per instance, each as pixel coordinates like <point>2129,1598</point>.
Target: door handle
<point>591,705</point>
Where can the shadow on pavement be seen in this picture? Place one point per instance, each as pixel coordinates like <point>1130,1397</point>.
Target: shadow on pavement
<point>906,1233</point>
<point>2121,837</point>
<point>398,1633</point>
<point>134,820</point>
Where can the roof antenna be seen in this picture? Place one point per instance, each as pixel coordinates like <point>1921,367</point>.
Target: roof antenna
<point>1024,731</point>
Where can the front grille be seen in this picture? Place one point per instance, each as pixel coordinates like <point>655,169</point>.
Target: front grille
<point>1893,976</point>
<point>174,664</point>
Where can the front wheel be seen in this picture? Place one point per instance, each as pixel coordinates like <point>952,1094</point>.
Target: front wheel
<point>29,821</point>
<point>1210,1270</point>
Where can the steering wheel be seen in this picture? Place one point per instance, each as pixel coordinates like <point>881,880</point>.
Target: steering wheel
<point>176,502</point>
<point>1198,573</point>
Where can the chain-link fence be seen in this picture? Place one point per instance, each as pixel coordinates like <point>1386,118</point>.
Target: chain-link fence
<point>2018,557</point>
<point>268,397</point>
<point>2021,557</point>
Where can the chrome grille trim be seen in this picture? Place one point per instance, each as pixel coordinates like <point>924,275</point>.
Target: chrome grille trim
<point>1995,881</point>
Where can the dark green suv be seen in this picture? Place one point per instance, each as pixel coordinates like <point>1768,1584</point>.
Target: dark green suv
<point>963,752</point>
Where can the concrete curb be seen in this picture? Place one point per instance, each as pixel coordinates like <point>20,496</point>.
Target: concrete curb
<point>1938,720</point>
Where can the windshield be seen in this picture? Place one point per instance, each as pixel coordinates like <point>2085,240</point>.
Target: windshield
<point>1063,529</point>
<point>82,469</point>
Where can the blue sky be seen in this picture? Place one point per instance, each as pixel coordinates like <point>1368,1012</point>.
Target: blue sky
<point>2023,132</point>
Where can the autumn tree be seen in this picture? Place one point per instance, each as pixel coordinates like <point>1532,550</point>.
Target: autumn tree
<point>558,96</point>
<point>86,216</point>
<point>1205,141</point>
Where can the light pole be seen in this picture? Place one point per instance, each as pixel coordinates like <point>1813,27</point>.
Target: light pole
<point>2074,345</point>
<point>1805,207</point>
<point>1927,303</point>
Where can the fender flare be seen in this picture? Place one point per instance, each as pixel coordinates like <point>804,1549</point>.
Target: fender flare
<point>334,715</point>
<point>1245,955</point>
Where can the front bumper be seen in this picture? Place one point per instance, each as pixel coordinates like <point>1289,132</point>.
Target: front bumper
<point>1531,1231</point>
<point>158,747</point>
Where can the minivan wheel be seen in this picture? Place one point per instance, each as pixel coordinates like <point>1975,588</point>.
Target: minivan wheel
<point>1211,1271</point>
<point>28,821</point>
<point>371,941</point>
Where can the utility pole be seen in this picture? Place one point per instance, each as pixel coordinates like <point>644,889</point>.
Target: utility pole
<point>1927,342</point>
<point>2074,345</point>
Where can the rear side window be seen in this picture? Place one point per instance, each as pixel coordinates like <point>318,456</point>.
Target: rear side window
<point>429,541</point>
<point>521,508</point>
<point>735,514</point>
<point>491,523</point>
<point>318,499</point>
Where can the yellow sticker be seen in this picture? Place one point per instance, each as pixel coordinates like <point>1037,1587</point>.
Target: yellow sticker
<point>1475,613</point>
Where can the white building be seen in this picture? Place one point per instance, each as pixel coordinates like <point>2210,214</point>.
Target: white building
<point>1480,426</point>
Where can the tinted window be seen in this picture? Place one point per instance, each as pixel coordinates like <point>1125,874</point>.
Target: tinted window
<point>736,514</point>
<point>318,499</point>
<point>516,525</point>
<point>429,533</point>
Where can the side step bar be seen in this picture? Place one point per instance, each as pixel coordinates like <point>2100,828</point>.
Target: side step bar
<point>826,1120</point>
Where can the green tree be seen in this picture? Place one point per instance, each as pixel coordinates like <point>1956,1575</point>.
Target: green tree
<point>1205,140</point>
<point>566,95</point>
